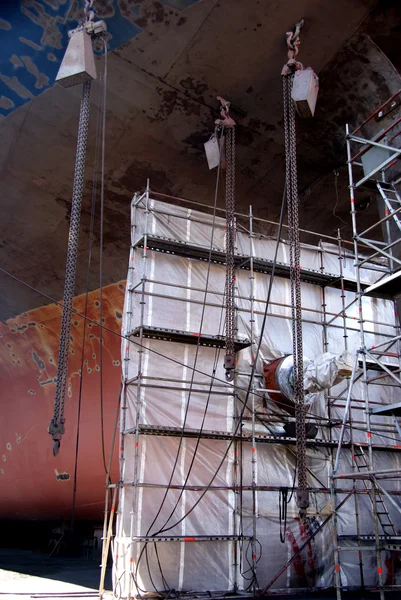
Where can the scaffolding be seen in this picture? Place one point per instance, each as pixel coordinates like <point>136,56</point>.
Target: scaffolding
<point>372,166</point>
<point>207,475</point>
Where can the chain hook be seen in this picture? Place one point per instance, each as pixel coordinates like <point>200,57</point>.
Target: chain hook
<point>89,10</point>
<point>293,43</point>
<point>226,120</point>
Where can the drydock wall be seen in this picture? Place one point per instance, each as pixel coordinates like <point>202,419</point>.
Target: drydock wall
<point>179,416</point>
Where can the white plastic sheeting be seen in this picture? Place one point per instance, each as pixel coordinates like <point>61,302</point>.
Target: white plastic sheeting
<point>327,370</point>
<point>182,386</point>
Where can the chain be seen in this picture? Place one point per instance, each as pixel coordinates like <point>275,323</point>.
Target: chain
<point>56,427</point>
<point>229,359</point>
<point>295,280</point>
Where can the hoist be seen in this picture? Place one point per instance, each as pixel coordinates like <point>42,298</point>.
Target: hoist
<point>300,87</point>
<point>77,67</point>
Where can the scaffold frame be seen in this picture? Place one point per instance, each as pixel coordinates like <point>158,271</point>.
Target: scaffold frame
<point>333,444</point>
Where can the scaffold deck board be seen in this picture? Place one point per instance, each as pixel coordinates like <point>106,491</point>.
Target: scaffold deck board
<point>371,365</point>
<point>388,409</point>
<point>242,261</point>
<point>162,430</point>
<point>388,287</point>
<point>186,337</point>
<point>190,538</point>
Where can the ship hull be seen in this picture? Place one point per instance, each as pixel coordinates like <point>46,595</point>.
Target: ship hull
<point>30,484</point>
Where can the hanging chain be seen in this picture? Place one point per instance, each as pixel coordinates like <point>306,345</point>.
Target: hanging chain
<point>228,125</point>
<point>229,359</point>
<point>56,427</point>
<point>295,280</point>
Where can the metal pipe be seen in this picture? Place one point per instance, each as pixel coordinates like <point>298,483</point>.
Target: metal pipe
<point>347,405</point>
<point>369,474</point>
<point>237,214</point>
<point>383,220</point>
<point>244,310</point>
<point>380,251</point>
<point>375,141</point>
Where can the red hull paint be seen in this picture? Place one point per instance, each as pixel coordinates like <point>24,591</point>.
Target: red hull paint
<point>28,368</point>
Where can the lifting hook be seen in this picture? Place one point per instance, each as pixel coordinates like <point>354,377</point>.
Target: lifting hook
<point>293,42</point>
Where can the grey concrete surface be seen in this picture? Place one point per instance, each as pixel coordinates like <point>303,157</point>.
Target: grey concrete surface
<point>27,574</point>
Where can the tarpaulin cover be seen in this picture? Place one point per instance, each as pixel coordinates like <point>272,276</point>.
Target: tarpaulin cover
<point>182,386</point>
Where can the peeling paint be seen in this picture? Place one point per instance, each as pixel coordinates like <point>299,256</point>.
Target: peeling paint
<point>4,25</point>
<point>62,476</point>
<point>41,79</point>
<point>38,361</point>
<point>6,103</point>
<point>14,60</point>
<point>30,43</point>
<point>14,84</point>
<point>48,382</point>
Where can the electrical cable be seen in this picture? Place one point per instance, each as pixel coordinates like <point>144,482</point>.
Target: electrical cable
<point>336,176</point>
<point>230,441</point>
<point>189,394</point>
<point>101,253</point>
<point>199,437</point>
<point>253,580</point>
<point>197,346</point>
<point>282,511</point>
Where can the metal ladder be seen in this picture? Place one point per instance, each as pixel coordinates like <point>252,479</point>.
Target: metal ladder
<point>392,201</point>
<point>383,515</point>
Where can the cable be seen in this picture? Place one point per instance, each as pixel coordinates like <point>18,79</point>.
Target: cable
<point>189,393</point>
<point>336,176</point>
<point>230,442</point>
<point>282,511</point>
<point>101,253</point>
<point>197,346</point>
<point>253,580</point>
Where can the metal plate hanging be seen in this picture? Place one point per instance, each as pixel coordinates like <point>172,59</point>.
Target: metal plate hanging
<point>212,151</point>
